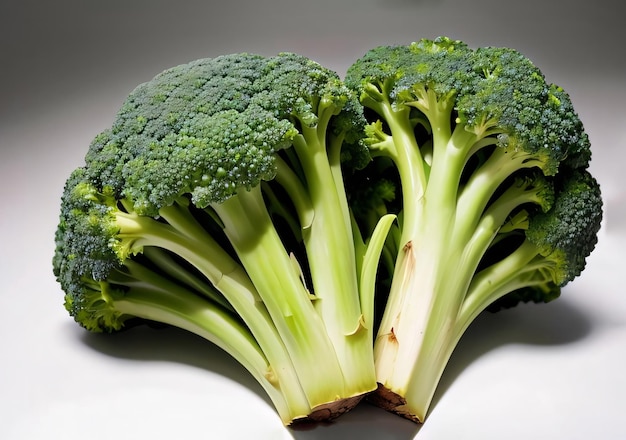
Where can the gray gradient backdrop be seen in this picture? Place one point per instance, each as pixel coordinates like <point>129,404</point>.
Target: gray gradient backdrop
<point>65,68</point>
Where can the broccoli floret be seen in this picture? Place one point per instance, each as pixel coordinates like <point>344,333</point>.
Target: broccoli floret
<point>494,200</point>
<point>215,202</point>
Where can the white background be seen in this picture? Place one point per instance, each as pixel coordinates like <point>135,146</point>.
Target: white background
<point>553,371</point>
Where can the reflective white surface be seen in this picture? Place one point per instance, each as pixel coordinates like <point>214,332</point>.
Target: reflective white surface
<point>553,371</point>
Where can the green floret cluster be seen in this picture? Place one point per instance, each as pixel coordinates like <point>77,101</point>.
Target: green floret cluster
<point>335,236</point>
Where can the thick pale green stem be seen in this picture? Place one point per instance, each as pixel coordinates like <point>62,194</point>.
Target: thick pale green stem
<point>332,261</point>
<point>442,328</point>
<point>422,241</point>
<point>405,153</point>
<point>413,346</point>
<point>251,232</point>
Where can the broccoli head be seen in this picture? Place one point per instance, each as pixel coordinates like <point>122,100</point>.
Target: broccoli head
<point>494,200</point>
<point>215,203</point>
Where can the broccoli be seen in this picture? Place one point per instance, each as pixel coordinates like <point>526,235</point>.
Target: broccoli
<point>335,237</point>
<point>215,203</point>
<point>485,165</point>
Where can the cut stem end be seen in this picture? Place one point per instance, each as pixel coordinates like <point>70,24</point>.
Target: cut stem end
<point>325,413</point>
<point>390,401</point>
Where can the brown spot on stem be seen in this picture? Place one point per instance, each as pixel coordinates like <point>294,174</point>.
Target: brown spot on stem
<point>392,336</point>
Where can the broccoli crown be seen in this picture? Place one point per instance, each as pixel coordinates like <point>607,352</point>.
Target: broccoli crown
<point>504,100</point>
<point>492,91</point>
<point>212,126</point>
<point>194,135</point>
<point>567,233</point>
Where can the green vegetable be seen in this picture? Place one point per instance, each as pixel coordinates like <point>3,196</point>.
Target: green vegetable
<point>488,164</point>
<point>216,203</point>
<point>335,237</point>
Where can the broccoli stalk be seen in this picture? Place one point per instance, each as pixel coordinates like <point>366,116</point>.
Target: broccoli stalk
<point>496,204</point>
<point>215,203</point>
